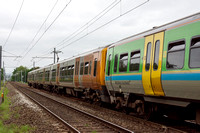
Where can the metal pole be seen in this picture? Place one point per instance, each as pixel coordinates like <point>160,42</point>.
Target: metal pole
<point>33,64</point>
<point>25,76</point>
<point>54,52</point>
<point>4,76</point>
<point>0,63</point>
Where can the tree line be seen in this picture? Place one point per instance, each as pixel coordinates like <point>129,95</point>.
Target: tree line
<point>20,73</point>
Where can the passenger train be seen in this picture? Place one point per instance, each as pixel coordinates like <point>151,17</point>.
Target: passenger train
<point>154,71</point>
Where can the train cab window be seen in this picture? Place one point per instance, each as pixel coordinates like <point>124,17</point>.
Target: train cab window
<point>194,61</point>
<point>90,67</point>
<point>175,55</point>
<point>134,61</point>
<point>95,67</point>
<point>123,62</point>
<point>156,55</point>
<point>81,71</point>
<point>148,56</point>
<point>115,63</point>
<point>86,68</point>
<point>109,62</point>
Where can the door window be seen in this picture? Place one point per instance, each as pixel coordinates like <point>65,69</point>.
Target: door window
<point>156,55</point>
<point>148,56</point>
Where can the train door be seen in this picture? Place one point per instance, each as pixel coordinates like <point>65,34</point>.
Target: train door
<point>109,69</point>
<point>81,71</point>
<point>77,65</point>
<point>95,65</point>
<point>152,63</point>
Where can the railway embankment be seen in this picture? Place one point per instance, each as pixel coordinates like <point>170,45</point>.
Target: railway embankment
<point>8,114</point>
<point>19,114</point>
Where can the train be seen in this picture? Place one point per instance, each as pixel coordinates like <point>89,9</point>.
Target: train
<point>154,72</point>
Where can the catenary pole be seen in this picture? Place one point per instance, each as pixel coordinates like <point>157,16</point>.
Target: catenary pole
<point>0,63</point>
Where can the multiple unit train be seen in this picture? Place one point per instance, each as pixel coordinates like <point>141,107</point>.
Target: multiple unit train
<point>155,71</point>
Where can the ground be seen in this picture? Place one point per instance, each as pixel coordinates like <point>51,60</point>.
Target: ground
<point>24,112</point>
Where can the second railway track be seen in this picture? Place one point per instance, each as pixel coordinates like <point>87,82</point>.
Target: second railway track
<point>75,119</point>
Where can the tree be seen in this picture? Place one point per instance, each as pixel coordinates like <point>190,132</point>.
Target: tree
<point>20,73</point>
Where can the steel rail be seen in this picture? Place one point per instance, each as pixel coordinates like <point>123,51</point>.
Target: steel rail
<point>71,128</point>
<point>107,123</point>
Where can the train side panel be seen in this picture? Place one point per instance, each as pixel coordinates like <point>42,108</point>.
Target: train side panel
<point>181,73</point>
<point>122,75</point>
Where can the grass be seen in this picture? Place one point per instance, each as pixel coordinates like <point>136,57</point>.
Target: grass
<point>6,113</point>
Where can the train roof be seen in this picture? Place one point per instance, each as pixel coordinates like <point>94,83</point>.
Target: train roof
<point>168,26</point>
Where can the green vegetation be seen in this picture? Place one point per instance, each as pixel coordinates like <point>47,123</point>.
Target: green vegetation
<point>21,73</point>
<point>6,113</point>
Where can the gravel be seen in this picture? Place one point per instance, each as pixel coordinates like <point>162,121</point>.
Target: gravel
<point>25,112</point>
<point>127,121</point>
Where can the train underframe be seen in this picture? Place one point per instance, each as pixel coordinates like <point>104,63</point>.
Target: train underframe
<point>130,103</point>
<point>147,108</point>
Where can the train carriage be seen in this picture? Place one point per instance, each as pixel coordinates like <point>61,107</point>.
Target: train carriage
<point>160,66</point>
<point>90,73</point>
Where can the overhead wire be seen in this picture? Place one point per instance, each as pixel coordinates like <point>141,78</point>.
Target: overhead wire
<point>121,14</point>
<point>13,24</point>
<point>8,52</point>
<point>88,24</point>
<point>105,24</point>
<point>41,26</point>
<point>46,30</point>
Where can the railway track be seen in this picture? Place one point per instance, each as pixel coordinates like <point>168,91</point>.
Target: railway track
<point>76,120</point>
<point>87,127</point>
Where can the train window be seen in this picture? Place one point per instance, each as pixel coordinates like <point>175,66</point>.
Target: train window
<point>148,56</point>
<point>53,78</point>
<point>134,61</point>
<point>81,71</point>
<point>156,55</point>
<point>95,67</point>
<point>90,67</point>
<point>69,70</point>
<point>109,62</point>
<point>40,75</point>
<point>46,75</point>
<point>86,68</point>
<point>115,63</point>
<point>194,61</point>
<point>175,55</point>
<point>123,62</point>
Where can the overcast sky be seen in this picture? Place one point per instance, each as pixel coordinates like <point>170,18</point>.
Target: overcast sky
<point>77,14</point>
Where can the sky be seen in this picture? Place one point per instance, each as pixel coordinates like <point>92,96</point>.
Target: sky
<point>31,36</point>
